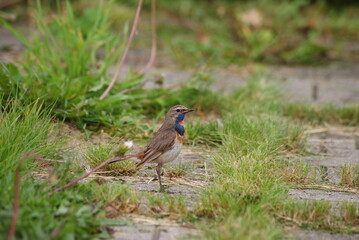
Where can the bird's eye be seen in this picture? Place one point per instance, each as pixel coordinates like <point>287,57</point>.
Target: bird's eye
<point>178,110</point>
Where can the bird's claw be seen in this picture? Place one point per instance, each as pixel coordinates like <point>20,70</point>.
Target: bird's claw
<point>162,189</point>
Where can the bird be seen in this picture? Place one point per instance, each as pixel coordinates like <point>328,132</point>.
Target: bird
<point>166,144</point>
<point>164,147</point>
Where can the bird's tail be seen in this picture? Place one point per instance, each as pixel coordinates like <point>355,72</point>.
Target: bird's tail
<point>108,161</point>
<point>125,157</point>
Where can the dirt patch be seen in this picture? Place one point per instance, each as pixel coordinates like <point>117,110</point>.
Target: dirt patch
<point>318,235</point>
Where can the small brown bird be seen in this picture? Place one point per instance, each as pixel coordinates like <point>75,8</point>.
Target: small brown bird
<point>164,147</point>
<point>166,144</point>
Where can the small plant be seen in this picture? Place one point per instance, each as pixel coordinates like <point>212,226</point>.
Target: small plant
<point>178,169</point>
<point>322,172</point>
<point>61,65</point>
<point>314,213</point>
<point>349,175</point>
<point>200,132</point>
<point>346,115</point>
<point>19,120</point>
<point>99,153</point>
<point>119,198</point>
<point>167,205</point>
<point>319,215</point>
<point>294,171</point>
<point>67,64</point>
<point>349,212</point>
<point>26,128</point>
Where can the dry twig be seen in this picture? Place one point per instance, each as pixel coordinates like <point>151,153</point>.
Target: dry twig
<point>58,230</point>
<point>16,201</point>
<point>153,50</point>
<point>133,31</point>
<point>154,38</point>
<point>108,161</point>
<point>9,3</point>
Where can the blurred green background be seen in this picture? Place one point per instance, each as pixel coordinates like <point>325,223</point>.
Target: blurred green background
<point>227,32</point>
<point>72,49</point>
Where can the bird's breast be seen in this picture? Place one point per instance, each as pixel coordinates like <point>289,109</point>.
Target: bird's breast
<point>179,128</point>
<point>171,154</point>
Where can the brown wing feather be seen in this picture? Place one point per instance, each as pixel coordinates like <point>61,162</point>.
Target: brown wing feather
<point>163,141</point>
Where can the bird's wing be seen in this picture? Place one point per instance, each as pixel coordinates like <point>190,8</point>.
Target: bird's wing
<point>160,143</point>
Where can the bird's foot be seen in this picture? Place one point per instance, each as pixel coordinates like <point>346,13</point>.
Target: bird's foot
<point>162,189</point>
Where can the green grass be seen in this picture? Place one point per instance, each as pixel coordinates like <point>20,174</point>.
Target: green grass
<point>179,169</point>
<point>99,153</point>
<point>61,65</point>
<point>227,32</point>
<point>118,199</point>
<point>349,175</point>
<point>251,178</point>
<point>297,172</point>
<point>200,132</point>
<point>16,121</point>
<point>249,225</point>
<point>167,205</point>
<point>320,114</point>
<point>320,215</point>
<point>67,63</point>
<point>247,194</point>
<point>245,185</point>
<point>77,212</point>
<point>27,128</point>
<point>246,197</point>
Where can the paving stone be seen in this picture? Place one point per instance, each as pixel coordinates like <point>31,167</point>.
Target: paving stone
<point>158,232</point>
<point>331,196</point>
<point>318,235</point>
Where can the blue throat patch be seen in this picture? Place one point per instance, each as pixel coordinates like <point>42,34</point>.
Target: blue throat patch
<point>178,127</point>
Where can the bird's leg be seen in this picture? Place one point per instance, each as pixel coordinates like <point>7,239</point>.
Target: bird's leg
<point>158,170</point>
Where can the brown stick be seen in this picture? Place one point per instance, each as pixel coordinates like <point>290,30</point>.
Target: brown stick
<point>154,38</point>
<point>9,3</point>
<point>135,87</point>
<point>108,161</point>
<point>153,51</point>
<point>133,30</point>
<point>57,231</point>
<point>16,202</point>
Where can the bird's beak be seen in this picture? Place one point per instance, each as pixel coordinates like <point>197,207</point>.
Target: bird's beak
<point>189,110</point>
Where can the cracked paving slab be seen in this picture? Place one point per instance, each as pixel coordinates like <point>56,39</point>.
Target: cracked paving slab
<point>152,231</point>
<point>331,149</point>
<point>331,196</point>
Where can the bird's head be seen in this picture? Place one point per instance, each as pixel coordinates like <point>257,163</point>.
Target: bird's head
<point>178,112</point>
